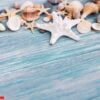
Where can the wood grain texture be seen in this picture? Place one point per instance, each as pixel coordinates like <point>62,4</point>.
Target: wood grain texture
<point>31,69</point>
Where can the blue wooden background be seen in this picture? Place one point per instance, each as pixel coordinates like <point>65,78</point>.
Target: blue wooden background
<point>31,69</point>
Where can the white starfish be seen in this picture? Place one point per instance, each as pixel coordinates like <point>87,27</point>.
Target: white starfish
<point>60,27</point>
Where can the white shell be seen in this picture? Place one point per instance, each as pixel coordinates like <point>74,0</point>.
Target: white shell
<point>84,26</point>
<point>2,27</point>
<point>96,26</point>
<point>14,23</point>
<point>25,4</point>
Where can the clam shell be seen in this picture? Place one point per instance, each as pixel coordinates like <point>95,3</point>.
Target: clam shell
<point>2,27</point>
<point>96,26</point>
<point>26,4</point>
<point>84,26</point>
<point>14,23</point>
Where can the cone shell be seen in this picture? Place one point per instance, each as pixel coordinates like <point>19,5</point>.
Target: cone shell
<point>84,26</point>
<point>90,8</point>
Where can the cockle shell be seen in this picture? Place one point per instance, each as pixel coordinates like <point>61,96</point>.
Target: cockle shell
<point>30,14</point>
<point>89,8</point>
<point>74,9</point>
<point>2,27</point>
<point>84,26</point>
<point>14,23</point>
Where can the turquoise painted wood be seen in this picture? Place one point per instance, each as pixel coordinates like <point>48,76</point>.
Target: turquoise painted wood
<point>31,69</point>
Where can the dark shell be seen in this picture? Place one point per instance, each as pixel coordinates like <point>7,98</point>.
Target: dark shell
<point>54,1</point>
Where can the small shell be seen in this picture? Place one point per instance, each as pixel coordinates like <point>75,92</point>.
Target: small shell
<point>84,26</point>
<point>26,4</point>
<point>14,23</point>
<point>16,5</point>
<point>89,8</point>
<point>54,1</point>
<point>2,27</point>
<point>96,26</point>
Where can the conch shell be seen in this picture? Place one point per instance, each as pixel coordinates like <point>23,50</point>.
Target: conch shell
<point>89,8</point>
<point>74,9</point>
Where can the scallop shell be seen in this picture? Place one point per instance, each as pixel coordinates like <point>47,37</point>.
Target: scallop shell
<point>96,26</point>
<point>84,26</point>
<point>89,8</point>
<point>14,23</point>
<point>2,27</point>
<point>26,4</point>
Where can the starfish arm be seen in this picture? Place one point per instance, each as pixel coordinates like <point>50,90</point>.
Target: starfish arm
<point>54,38</point>
<point>75,22</point>
<point>44,26</point>
<point>73,36</point>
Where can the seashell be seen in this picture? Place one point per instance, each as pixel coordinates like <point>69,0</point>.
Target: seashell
<point>2,27</point>
<point>16,5</point>
<point>26,4</point>
<point>98,3</point>
<point>96,26</point>
<point>89,8</point>
<point>14,23</point>
<point>84,26</point>
<point>55,1</point>
<point>30,14</point>
<point>74,9</point>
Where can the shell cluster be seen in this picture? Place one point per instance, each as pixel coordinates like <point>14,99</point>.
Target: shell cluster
<point>28,13</point>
